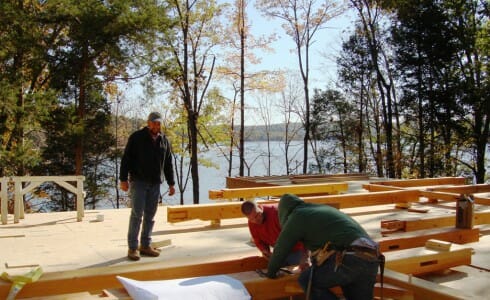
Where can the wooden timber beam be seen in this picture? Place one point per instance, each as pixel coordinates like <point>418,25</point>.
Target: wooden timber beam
<point>480,218</point>
<point>340,175</point>
<point>366,199</point>
<point>419,238</point>
<point>432,193</point>
<point>463,189</point>
<point>287,286</point>
<point>244,182</point>
<point>481,200</point>
<point>206,212</point>
<point>300,179</point>
<point>94,280</point>
<point>256,181</point>
<point>260,290</point>
<point>396,286</point>
<point>421,260</point>
<point>423,182</point>
<point>423,289</point>
<point>228,210</point>
<point>455,192</point>
<point>298,189</point>
<point>447,196</point>
<point>373,187</point>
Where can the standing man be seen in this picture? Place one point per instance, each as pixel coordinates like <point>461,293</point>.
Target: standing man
<point>342,252</point>
<point>146,163</point>
<point>263,223</point>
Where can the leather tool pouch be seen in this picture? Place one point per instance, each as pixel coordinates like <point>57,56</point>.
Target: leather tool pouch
<point>322,254</point>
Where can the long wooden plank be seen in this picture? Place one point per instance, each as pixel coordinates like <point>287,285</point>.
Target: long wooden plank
<point>423,289</point>
<point>287,286</point>
<point>445,196</point>
<point>205,212</point>
<point>48,178</point>
<point>418,238</point>
<point>480,218</point>
<point>421,260</point>
<point>228,210</point>
<point>257,181</point>
<point>463,189</point>
<point>303,180</point>
<point>338,175</point>
<point>423,182</point>
<point>94,280</point>
<point>451,196</point>
<point>373,187</point>
<point>397,286</point>
<point>299,189</point>
<point>366,199</point>
<point>244,182</point>
<point>431,194</point>
<point>70,296</point>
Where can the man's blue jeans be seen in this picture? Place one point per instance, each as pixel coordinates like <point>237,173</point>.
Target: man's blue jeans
<point>356,276</point>
<point>144,203</point>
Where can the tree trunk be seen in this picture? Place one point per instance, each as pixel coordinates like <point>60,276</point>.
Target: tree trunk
<point>81,111</point>
<point>242,87</point>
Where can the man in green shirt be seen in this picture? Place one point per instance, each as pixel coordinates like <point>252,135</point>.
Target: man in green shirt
<point>342,252</point>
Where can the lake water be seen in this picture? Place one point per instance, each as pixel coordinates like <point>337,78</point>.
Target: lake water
<point>256,158</point>
<point>256,165</point>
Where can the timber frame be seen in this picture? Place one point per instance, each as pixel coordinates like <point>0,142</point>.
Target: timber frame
<point>25,184</point>
<point>102,282</point>
<point>405,243</point>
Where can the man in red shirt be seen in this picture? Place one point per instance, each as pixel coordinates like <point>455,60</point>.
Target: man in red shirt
<point>264,226</point>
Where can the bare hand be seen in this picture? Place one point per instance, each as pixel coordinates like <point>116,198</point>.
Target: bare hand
<point>124,185</point>
<point>171,190</point>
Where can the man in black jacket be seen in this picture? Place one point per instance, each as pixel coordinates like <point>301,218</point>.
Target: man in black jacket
<point>146,163</point>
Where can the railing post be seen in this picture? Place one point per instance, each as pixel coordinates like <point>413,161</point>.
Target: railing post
<point>80,198</point>
<point>18,200</point>
<point>4,199</point>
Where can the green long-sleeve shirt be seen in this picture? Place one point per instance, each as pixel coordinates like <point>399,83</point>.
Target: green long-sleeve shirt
<point>312,224</point>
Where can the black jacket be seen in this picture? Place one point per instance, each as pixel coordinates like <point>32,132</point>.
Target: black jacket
<point>146,160</point>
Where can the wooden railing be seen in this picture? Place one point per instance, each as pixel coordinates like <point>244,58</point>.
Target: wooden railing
<point>25,184</point>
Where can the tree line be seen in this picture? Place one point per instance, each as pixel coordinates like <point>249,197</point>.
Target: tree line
<point>411,99</point>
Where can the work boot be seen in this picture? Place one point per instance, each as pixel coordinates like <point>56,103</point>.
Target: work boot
<point>149,251</point>
<point>133,255</point>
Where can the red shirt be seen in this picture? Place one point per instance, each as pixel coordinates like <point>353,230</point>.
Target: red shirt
<point>265,235</point>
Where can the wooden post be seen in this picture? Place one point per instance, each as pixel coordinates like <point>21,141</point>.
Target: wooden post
<point>4,199</point>
<point>18,200</point>
<point>80,197</point>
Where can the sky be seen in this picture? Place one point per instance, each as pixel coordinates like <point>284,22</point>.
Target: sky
<point>327,44</point>
<point>323,52</point>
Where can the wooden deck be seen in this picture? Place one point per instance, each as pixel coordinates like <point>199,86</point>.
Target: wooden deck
<point>81,259</point>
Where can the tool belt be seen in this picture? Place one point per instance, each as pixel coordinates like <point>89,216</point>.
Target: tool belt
<point>321,255</point>
<point>363,252</point>
<point>366,253</point>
